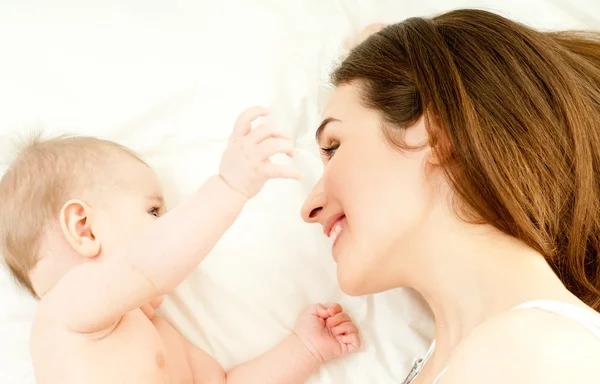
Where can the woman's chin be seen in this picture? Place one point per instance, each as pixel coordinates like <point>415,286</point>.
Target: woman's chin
<point>353,281</point>
<point>358,280</point>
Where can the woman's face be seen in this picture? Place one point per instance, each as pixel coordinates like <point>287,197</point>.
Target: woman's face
<point>372,200</point>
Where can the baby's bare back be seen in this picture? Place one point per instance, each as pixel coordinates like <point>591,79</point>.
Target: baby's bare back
<point>136,350</point>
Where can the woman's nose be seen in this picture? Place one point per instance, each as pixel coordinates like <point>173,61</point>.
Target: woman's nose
<point>314,204</point>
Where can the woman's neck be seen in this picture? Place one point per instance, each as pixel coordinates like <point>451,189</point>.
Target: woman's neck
<point>469,273</point>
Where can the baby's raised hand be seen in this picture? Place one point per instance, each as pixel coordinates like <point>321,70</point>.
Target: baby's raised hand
<point>327,332</point>
<point>245,165</point>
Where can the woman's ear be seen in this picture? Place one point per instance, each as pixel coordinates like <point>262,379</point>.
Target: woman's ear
<point>434,157</point>
<point>439,150</point>
<point>76,224</point>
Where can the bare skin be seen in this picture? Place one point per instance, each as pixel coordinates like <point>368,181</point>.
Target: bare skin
<point>114,253</point>
<point>401,231</point>
<point>140,349</point>
<point>392,223</point>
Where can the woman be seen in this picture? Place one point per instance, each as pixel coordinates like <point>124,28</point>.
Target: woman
<point>462,159</point>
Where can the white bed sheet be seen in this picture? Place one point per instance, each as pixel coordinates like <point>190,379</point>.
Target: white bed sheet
<point>168,79</point>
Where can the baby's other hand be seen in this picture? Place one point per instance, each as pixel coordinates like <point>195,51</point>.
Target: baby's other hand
<point>327,332</point>
<point>245,165</point>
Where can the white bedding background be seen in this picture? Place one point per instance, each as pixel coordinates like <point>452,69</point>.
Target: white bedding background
<point>168,78</point>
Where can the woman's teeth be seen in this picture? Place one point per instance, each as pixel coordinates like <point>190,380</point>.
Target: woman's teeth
<point>335,231</point>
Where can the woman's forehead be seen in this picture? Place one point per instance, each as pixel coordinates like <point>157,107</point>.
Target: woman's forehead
<point>345,97</point>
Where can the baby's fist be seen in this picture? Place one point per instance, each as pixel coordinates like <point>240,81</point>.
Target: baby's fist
<point>245,165</point>
<point>327,332</point>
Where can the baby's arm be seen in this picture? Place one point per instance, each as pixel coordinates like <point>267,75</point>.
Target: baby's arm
<point>95,295</point>
<point>321,334</point>
<point>287,363</point>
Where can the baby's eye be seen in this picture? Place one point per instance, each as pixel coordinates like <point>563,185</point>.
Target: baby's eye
<point>329,150</point>
<point>154,212</point>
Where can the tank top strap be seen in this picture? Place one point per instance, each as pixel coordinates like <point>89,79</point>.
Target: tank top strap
<point>586,318</point>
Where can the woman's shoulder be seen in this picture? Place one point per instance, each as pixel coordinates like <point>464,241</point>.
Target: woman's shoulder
<point>527,346</point>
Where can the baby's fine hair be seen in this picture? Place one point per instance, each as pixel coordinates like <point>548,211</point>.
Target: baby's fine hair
<point>45,174</point>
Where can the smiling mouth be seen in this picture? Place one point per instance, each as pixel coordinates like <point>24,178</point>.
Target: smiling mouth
<point>336,230</point>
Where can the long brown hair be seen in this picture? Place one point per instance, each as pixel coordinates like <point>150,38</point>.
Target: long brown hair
<point>513,113</point>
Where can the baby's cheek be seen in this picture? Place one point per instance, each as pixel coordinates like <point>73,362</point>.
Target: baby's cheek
<point>114,231</point>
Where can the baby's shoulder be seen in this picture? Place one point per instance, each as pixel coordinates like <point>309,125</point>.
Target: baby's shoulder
<point>526,346</point>
<point>50,321</point>
<point>48,330</point>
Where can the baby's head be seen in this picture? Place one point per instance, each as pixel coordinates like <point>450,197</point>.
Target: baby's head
<point>69,200</point>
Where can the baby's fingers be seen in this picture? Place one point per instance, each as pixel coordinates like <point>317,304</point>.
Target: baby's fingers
<point>344,329</point>
<point>321,311</point>
<point>243,124</point>
<point>338,319</point>
<point>280,171</point>
<point>272,147</point>
<point>352,341</point>
<point>263,132</point>
<point>334,309</point>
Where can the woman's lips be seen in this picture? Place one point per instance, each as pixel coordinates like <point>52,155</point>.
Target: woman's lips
<point>336,231</point>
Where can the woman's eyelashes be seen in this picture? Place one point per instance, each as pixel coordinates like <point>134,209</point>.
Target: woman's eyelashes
<point>329,150</point>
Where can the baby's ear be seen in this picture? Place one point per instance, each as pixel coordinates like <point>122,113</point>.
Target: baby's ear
<point>76,224</point>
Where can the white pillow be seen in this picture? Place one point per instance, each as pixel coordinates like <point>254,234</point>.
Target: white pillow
<point>168,80</point>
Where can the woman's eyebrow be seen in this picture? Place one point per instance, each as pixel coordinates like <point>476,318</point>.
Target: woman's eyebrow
<point>322,127</point>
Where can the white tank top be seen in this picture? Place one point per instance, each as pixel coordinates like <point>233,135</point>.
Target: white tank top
<point>586,318</point>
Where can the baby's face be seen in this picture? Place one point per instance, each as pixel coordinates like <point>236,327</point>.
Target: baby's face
<point>134,201</point>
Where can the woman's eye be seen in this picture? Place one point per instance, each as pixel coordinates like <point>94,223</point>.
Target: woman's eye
<point>329,150</point>
<point>154,212</point>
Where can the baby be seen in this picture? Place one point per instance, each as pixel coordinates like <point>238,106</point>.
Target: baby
<point>84,227</point>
